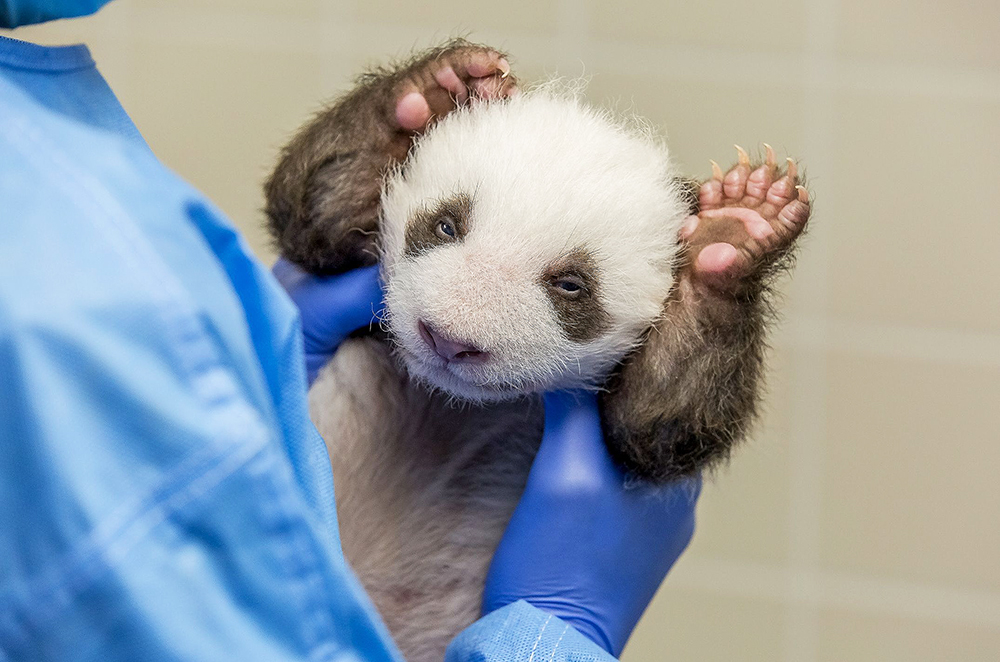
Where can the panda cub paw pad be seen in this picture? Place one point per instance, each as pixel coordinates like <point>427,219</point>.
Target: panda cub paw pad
<point>749,217</point>
<point>452,76</point>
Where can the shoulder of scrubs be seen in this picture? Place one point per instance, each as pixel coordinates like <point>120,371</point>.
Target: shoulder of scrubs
<point>162,492</point>
<point>520,631</point>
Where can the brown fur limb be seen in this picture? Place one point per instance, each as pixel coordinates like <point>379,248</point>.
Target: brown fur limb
<point>322,201</point>
<point>691,391</point>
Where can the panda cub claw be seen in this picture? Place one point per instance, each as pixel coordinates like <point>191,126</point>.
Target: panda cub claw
<point>749,218</point>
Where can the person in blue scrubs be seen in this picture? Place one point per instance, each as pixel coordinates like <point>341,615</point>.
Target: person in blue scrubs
<point>163,495</point>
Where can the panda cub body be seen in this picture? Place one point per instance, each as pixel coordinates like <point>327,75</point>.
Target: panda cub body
<point>527,243</point>
<point>430,456</point>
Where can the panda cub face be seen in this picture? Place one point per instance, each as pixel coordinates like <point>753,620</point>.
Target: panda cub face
<point>527,244</point>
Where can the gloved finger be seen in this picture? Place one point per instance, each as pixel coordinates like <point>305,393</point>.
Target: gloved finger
<point>287,273</point>
<point>692,486</point>
<point>344,303</point>
<point>332,307</point>
<point>573,454</point>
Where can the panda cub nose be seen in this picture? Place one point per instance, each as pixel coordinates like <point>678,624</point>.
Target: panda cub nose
<point>450,350</point>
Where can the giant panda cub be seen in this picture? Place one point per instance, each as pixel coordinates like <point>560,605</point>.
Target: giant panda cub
<point>527,243</point>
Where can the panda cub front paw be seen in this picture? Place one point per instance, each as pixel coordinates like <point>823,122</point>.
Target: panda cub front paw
<point>447,78</point>
<point>748,220</point>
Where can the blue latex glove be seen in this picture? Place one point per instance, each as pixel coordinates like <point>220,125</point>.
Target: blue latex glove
<point>331,307</point>
<point>581,545</point>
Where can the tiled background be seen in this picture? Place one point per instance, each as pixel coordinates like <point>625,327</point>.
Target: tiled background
<point>862,522</point>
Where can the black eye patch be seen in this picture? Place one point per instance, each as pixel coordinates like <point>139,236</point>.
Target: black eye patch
<point>445,223</point>
<point>572,283</point>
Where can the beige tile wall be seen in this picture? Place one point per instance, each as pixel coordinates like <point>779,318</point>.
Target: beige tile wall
<point>862,522</point>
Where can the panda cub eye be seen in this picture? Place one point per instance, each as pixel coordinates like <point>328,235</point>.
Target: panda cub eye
<point>569,286</point>
<point>446,228</point>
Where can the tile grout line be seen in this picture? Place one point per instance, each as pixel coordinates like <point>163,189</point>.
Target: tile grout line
<point>335,37</point>
<point>694,63</point>
<point>808,380</point>
<point>914,343</point>
<point>841,590</point>
<point>573,34</point>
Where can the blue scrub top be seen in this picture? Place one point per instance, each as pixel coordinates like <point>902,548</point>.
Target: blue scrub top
<point>163,494</point>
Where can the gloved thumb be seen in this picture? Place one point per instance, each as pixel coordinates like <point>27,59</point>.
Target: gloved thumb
<point>572,453</point>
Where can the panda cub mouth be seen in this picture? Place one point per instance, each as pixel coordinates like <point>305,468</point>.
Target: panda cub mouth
<point>451,351</point>
<point>455,366</point>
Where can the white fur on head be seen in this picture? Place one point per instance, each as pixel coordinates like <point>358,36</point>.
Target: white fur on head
<point>547,175</point>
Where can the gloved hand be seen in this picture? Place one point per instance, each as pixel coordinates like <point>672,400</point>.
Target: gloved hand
<point>581,545</point>
<point>331,307</point>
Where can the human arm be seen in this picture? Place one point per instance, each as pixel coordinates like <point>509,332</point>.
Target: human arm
<point>153,435</point>
<point>149,509</point>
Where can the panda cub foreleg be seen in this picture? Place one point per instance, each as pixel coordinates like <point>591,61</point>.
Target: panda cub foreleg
<point>323,199</point>
<point>691,391</point>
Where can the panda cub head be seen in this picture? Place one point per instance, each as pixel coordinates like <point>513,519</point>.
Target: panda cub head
<point>526,246</point>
